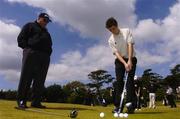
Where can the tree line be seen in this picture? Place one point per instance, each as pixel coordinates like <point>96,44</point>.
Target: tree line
<point>100,86</point>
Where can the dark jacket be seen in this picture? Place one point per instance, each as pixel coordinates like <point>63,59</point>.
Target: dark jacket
<point>35,37</point>
<point>152,88</point>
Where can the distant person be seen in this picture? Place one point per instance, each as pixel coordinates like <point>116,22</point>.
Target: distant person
<point>165,101</point>
<point>144,97</point>
<point>152,95</point>
<point>36,43</point>
<point>137,85</point>
<point>178,92</point>
<point>89,99</point>
<point>170,97</point>
<point>122,45</point>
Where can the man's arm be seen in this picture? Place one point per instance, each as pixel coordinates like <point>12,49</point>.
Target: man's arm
<point>23,36</point>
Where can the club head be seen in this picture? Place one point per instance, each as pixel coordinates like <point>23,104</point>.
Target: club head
<point>130,107</point>
<point>73,113</point>
<point>129,104</point>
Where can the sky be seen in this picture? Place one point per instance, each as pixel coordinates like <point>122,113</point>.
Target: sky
<point>80,39</point>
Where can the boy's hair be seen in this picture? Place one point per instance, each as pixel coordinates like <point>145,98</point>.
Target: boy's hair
<point>111,22</point>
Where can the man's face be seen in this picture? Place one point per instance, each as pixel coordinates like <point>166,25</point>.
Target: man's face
<point>114,30</point>
<point>43,21</point>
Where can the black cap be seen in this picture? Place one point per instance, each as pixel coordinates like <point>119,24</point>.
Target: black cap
<point>45,15</point>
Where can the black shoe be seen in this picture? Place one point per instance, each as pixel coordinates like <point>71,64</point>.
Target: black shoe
<point>38,105</point>
<point>21,104</point>
<point>116,110</point>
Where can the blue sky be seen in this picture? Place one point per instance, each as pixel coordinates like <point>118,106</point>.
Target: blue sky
<point>80,38</point>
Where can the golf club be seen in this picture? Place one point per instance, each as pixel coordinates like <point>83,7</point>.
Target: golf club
<point>123,93</point>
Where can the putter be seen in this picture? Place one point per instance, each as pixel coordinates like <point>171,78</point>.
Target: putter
<point>123,93</point>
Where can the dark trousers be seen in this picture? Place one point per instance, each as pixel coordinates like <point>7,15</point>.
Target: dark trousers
<point>138,102</point>
<point>34,68</point>
<point>171,100</point>
<point>118,85</point>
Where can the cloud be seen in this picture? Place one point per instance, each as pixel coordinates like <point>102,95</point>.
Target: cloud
<point>11,75</point>
<point>87,16</point>
<point>9,52</point>
<point>71,66</point>
<point>74,66</point>
<point>158,41</point>
<point>147,31</point>
<point>145,59</point>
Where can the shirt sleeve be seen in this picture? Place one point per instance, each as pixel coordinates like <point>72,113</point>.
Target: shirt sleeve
<point>130,37</point>
<point>23,36</point>
<point>112,46</point>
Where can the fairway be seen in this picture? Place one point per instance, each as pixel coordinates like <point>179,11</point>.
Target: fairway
<point>61,111</point>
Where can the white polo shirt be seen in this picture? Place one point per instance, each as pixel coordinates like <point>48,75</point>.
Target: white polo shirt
<point>120,42</point>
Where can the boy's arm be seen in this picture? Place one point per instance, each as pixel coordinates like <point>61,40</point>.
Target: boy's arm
<point>120,58</point>
<point>118,55</point>
<point>130,49</point>
<point>130,54</point>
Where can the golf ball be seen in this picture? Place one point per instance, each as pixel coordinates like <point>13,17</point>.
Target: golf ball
<point>101,114</point>
<point>115,114</point>
<point>125,115</point>
<point>121,115</point>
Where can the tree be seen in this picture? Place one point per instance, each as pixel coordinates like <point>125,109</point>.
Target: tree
<point>152,77</point>
<point>173,79</point>
<point>148,76</point>
<point>98,78</point>
<point>54,93</point>
<point>75,92</point>
<point>10,94</point>
<point>176,75</point>
<point>176,70</point>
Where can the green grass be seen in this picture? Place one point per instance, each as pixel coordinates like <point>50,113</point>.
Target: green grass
<point>7,111</point>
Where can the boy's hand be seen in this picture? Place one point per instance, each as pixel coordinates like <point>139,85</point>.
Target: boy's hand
<point>126,67</point>
<point>129,63</point>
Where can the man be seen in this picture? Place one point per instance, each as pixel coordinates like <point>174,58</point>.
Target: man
<point>152,95</point>
<point>36,43</point>
<point>170,97</point>
<point>122,45</point>
<point>137,85</point>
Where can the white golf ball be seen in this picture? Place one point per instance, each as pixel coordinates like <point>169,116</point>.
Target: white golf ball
<point>121,115</point>
<point>125,115</point>
<point>115,114</point>
<point>101,114</point>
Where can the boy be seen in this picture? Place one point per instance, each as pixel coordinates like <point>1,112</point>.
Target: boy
<point>121,43</point>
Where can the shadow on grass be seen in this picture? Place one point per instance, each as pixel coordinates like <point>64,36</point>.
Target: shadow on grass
<point>67,108</point>
<point>149,112</point>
